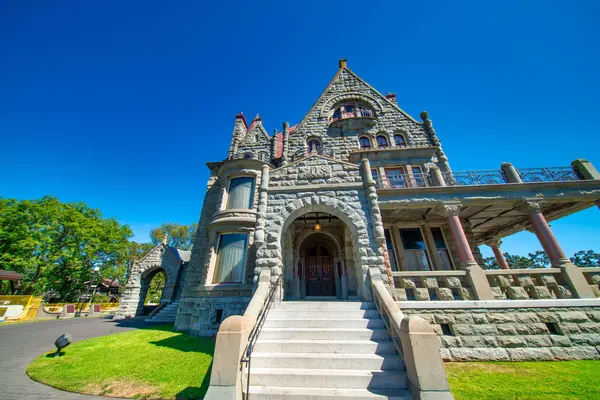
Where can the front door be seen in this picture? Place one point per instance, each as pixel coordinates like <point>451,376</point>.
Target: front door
<point>320,276</point>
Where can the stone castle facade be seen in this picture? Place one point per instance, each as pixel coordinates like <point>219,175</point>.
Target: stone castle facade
<point>360,191</point>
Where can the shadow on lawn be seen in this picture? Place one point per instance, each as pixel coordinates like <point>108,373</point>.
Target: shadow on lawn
<point>193,393</point>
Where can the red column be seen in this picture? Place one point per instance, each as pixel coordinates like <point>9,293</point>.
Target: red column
<point>499,256</point>
<point>462,244</point>
<point>545,236</point>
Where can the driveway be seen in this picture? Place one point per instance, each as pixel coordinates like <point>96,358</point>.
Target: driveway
<point>21,343</point>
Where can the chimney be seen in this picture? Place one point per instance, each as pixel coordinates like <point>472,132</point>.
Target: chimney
<point>342,63</point>
<point>391,97</point>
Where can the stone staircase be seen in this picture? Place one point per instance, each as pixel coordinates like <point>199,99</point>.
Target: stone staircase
<point>326,350</point>
<point>167,314</point>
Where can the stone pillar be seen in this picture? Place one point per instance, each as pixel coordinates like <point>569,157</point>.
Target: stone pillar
<point>443,160</point>
<point>569,271</point>
<point>263,192</point>
<point>475,275</point>
<point>585,169</point>
<point>286,144</point>
<point>495,245</point>
<point>274,144</point>
<point>369,185</point>
<point>437,179</point>
<point>510,173</point>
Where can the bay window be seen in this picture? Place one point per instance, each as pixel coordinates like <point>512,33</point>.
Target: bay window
<point>241,193</point>
<point>231,257</point>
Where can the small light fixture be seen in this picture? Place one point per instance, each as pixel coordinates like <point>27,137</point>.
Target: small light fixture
<point>63,341</point>
<point>317,225</point>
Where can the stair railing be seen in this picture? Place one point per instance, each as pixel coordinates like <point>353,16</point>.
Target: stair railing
<point>260,320</point>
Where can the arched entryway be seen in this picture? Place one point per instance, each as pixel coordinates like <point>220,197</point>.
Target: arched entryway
<point>320,271</point>
<point>152,290</point>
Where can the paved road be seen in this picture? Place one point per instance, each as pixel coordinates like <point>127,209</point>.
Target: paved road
<point>21,343</point>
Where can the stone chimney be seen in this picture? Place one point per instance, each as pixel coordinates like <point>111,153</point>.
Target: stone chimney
<point>391,97</point>
<point>342,63</point>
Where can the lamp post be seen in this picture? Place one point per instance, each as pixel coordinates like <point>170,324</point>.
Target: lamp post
<point>89,287</point>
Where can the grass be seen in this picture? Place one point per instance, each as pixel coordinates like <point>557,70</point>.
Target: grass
<point>562,380</point>
<point>154,363</point>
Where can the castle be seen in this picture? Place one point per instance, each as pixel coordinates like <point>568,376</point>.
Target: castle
<point>360,196</point>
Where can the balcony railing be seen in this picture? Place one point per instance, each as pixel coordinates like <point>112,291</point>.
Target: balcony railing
<point>553,174</point>
<point>396,181</point>
<point>321,150</point>
<point>470,178</point>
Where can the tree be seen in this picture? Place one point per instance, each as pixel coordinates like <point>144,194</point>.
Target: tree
<point>587,258</point>
<point>539,259</point>
<point>157,285</point>
<point>490,263</point>
<point>56,245</point>
<point>179,236</point>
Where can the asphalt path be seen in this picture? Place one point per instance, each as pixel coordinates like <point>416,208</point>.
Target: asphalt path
<point>21,343</point>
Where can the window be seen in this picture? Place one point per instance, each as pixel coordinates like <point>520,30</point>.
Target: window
<point>441,248</point>
<point>248,156</point>
<point>396,177</point>
<point>231,257</point>
<point>399,140</point>
<point>374,174</point>
<point>390,249</point>
<point>241,193</point>
<point>382,141</point>
<point>349,110</point>
<point>419,179</point>
<point>415,254</point>
<point>337,114</point>
<point>364,142</point>
<point>314,145</point>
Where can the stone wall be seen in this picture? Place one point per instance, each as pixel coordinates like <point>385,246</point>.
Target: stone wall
<point>515,334</point>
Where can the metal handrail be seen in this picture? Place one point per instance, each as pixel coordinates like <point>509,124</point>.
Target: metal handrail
<point>260,319</point>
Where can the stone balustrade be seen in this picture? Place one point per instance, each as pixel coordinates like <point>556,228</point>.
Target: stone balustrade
<point>592,275</point>
<point>523,284</point>
<point>432,285</point>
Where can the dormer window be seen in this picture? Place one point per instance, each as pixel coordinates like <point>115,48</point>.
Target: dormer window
<point>399,140</point>
<point>351,109</point>
<point>382,141</point>
<point>364,142</point>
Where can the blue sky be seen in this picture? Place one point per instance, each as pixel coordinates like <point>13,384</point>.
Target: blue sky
<point>120,104</point>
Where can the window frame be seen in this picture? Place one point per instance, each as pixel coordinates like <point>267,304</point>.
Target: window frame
<point>252,194</point>
<point>440,227</point>
<point>426,250</point>
<point>313,139</point>
<point>405,142</point>
<point>387,141</point>
<point>215,266</point>
<point>364,147</point>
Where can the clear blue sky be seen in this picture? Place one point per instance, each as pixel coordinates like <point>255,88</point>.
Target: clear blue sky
<point>120,104</point>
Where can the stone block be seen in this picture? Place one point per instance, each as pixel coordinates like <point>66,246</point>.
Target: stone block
<point>573,316</point>
<point>465,294</point>
<point>585,339</point>
<point>407,283</point>
<point>444,294</point>
<point>528,354</point>
<point>526,317</point>
<point>537,328</point>
<point>428,317</point>
<point>452,282</point>
<point>444,318</point>
<point>575,353</point>
<point>562,292</point>
<point>500,281</point>
<point>589,327</point>
<point>548,316</point>
<point>525,281</point>
<point>506,329</point>
<point>445,354</point>
<point>479,341</point>
<point>539,292</point>
<point>538,341</point>
<point>498,293</point>
<point>480,318</point>
<point>560,341</point>
<point>594,315</point>
<point>479,354</point>
<point>421,294</point>
<point>547,280</point>
<point>401,295</point>
<point>511,341</point>
<point>500,318</point>
<point>521,329</point>
<point>517,293</point>
<point>430,283</point>
<point>464,318</point>
<point>451,341</point>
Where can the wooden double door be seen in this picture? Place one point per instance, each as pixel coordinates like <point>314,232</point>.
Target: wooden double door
<point>320,271</point>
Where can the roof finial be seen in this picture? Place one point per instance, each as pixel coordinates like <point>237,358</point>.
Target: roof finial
<point>342,63</point>
<point>257,118</point>
<point>165,239</point>
<point>424,116</point>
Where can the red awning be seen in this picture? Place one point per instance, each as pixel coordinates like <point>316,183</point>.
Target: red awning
<point>10,275</point>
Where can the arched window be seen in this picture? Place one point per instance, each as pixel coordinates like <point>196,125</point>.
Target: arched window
<point>364,142</point>
<point>382,141</point>
<point>314,145</point>
<point>399,140</point>
<point>248,156</point>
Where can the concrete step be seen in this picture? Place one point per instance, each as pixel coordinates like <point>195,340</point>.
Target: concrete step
<point>312,393</point>
<point>278,313</point>
<point>324,333</point>
<point>324,346</point>
<point>387,362</point>
<point>275,322</point>
<point>327,378</point>
<point>324,306</point>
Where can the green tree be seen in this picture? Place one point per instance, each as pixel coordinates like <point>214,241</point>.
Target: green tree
<point>585,258</point>
<point>157,285</point>
<point>179,236</point>
<point>490,263</point>
<point>539,259</point>
<point>56,245</point>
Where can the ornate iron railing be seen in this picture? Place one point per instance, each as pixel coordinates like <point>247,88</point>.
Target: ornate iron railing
<point>321,150</point>
<point>396,181</point>
<point>248,155</point>
<point>470,178</point>
<point>552,174</point>
<point>260,320</point>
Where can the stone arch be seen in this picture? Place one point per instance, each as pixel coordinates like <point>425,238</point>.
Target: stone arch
<point>363,247</point>
<point>159,259</point>
<point>330,103</point>
<point>304,234</point>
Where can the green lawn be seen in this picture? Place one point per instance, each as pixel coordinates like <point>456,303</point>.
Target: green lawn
<point>563,380</point>
<point>145,363</point>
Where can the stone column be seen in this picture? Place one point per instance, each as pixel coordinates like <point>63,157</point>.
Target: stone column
<point>495,245</point>
<point>286,144</point>
<point>570,273</point>
<point>510,173</point>
<point>274,144</point>
<point>475,275</point>
<point>437,179</point>
<point>263,192</point>
<point>369,185</point>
